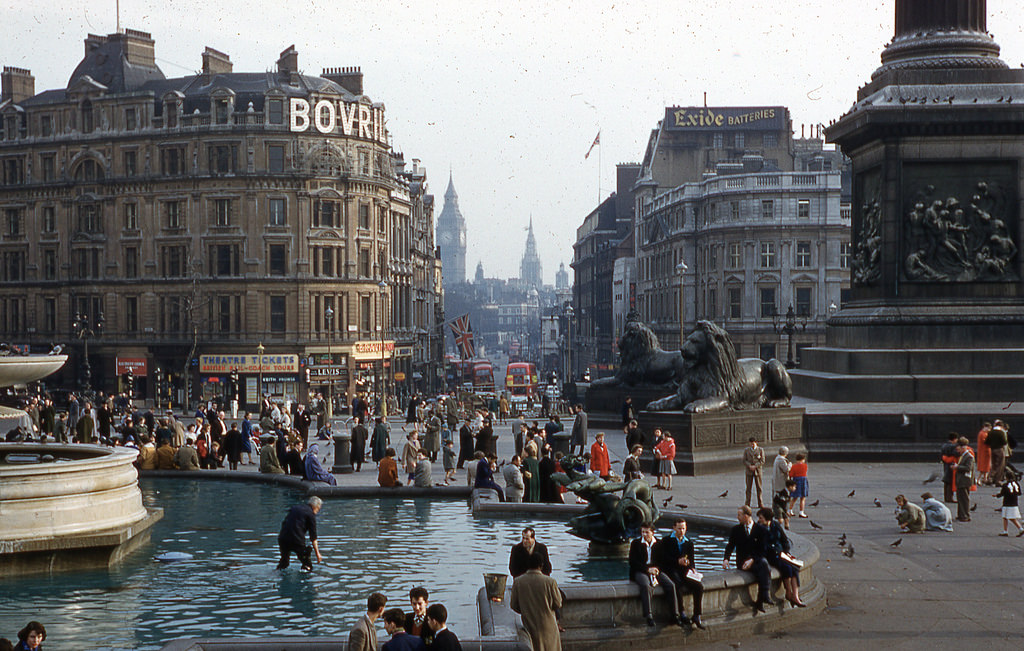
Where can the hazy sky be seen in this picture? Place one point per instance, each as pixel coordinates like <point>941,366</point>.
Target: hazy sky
<point>510,98</point>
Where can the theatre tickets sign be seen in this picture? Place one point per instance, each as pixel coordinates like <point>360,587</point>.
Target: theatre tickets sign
<point>355,119</point>
<point>700,118</point>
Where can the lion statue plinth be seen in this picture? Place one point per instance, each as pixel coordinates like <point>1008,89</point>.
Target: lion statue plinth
<point>642,360</point>
<point>715,379</point>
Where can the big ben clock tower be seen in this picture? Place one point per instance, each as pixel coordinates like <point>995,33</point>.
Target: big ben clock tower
<point>451,236</point>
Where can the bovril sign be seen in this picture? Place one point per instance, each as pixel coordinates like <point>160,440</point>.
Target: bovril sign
<point>354,119</point>
<point>371,350</point>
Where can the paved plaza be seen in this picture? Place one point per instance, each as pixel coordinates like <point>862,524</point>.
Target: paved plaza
<point>936,590</point>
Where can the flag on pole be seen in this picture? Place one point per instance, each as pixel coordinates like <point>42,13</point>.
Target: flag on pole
<point>463,332</point>
<point>597,141</point>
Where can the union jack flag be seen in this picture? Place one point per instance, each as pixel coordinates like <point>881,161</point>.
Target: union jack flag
<point>463,336</point>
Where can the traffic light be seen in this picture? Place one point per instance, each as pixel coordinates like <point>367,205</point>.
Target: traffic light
<point>131,383</point>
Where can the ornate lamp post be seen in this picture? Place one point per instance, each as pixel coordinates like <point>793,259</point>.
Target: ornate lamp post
<point>259,383</point>
<point>569,312</point>
<point>789,328</point>
<point>329,316</point>
<point>84,331</point>
<point>383,285</point>
<point>681,269</point>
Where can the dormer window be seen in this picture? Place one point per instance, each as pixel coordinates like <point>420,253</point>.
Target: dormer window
<point>222,110</point>
<point>171,115</point>
<point>87,122</point>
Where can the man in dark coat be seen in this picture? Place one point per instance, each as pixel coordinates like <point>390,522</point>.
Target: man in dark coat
<point>645,571</point>
<point>465,444</point>
<point>519,557</point>
<point>748,540</point>
<point>359,436</point>
<point>301,519</point>
<point>302,422</point>
<point>232,446</point>
<point>578,437</point>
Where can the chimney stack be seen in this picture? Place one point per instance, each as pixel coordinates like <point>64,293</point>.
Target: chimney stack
<point>215,62</point>
<point>351,79</point>
<point>288,62</point>
<point>16,84</point>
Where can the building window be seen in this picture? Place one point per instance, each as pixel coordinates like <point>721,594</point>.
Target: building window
<point>735,255</point>
<point>364,263</point>
<point>382,219</point>
<point>222,212</point>
<point>49,264</point>
<point>803,255</point>
<point>735,303</point>
<point>222,158</point>
<point>767,351</point>
<point>739,140</point>
<point>277,264</point>
<point>712,306</point>
<point>49,167</point>
<point>172,313</point>
<point>14,171</point>
<point>222,109</point>
<point>364,216</point>
<point>131,216</point>
<point>326,260</point>
<point>275,111</point>
<point>14,265</point>
<point>170,115</point>
<point>771,140</point>
<point>172,161</point>
<point>275,158</point>
<point>130,119</point>
<point>173,213</point>
<point>46,125</point>
<point>13,222</point>
<point>803,208</point>
<point>224,260</point>
<point>49,315</point>
<point>713,258</point>
<point>768,302</point>
<point>131,262</point>
<point>364,313</point>
<point>131,163</point>
<point>716,141</point>
<point>326,214</point>
<point>734,210</point>
<point>88,170</point>
<point>767,255</point>
<point>277,314</point>
<point>87,117</point>
<point>12,315</point>
<point>131,314</point>
<point>226,313</point>
<point>89,220</point>
<point>844,255</point>
<point>49,219</point>
<point>803,301</point>
<point>86,263</point>
<point>172,259</point>
<point>276,212</point>
<point>767,209</point>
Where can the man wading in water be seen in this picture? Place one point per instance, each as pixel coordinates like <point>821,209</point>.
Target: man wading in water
<point>301,519</point>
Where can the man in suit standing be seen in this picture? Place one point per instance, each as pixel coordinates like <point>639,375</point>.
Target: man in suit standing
<point>465,443</point>
<point>645,571</point>
<point>578,436</point>
<point>748,539</point>
<point>677,560</point>
<point>519,558</point>
<point>753,462</point>
<point>364,634</point>
<point>302,423</point>
<point>964,479</point>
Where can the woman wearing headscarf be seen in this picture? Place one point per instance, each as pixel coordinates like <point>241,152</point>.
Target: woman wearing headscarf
<point>316,472</point>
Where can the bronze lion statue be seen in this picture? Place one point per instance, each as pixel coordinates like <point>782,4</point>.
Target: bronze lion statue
<point>715,379</point>
<point>642,360</point>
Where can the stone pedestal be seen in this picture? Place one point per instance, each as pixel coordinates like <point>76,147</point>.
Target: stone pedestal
<point>342,453</point>
<point>714,442</point>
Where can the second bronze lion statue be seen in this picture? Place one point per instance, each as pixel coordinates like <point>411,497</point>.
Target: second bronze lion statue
<point>715,379</point>
<point>642,361</point>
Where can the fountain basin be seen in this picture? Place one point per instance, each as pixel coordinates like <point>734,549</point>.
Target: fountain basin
<point>84,509</point>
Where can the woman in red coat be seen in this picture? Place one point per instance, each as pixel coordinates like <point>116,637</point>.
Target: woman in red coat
<point>599,461</point>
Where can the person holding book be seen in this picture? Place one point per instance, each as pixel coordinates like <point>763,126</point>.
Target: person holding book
<point>678,562</point>
<point>777,554</point>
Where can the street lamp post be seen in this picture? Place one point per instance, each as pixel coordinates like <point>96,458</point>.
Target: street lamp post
<point>259,383</point>
<point>383,285</point>
<point>329,315</point>
<point>85,331</point>
<point>789,328</point>
<point>568,343</point>
<point>681,269</point>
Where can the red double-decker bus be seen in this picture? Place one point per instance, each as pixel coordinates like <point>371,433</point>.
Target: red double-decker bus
<point>521,379</point>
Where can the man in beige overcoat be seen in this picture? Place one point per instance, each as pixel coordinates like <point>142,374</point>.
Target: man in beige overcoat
<point>535,597</point>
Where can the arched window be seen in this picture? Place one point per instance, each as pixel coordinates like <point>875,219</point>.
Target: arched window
<point>88,170</point>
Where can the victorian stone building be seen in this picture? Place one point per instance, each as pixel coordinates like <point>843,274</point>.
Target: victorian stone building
<point>244,233</point>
